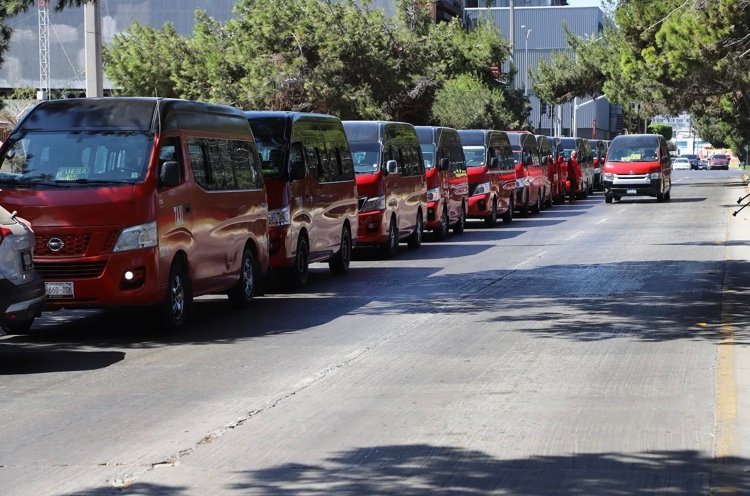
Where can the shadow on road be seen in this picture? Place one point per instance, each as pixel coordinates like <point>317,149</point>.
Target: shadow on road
<point>15,359</point>
<point>422,469</point>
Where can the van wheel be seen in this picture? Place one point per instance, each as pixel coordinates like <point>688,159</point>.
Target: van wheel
<point>298,274</point>
<point>18,326</point>
<point>525,208</point>
<point>390,247</point>
<point>339,264</point>
<point>607,198</point>
<point>242,293</point>
<point>442,231</point>
<point>459,226</point>
<point>491,221</point>
<point>538,204</point>
<point>415,239</point>
<point>179,297</point>
<point>508,215</point>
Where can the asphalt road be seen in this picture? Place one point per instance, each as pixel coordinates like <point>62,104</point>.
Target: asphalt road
<point>590,349</point>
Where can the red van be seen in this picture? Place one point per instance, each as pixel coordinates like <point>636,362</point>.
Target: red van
<point>139,201</point>
<point>637,165</point>
<point>447,182</point>
<point>390,183</point>
<point>529,172</point>
<point>312,196</point>
<point>544,146</point>
<point>492,174</point>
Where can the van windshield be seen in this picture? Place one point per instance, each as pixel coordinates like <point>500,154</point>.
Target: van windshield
<point>366,157</point>
<point>428,155</point>
<point>634,153</point>
<point>474,156</point>
<point>271,151</point>
<point>517,155</point>
<point>77,158</point>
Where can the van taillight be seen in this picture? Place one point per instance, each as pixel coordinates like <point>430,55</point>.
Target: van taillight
<point>4,233</point>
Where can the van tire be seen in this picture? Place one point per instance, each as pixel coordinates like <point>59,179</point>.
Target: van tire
<point>607,198</point>
<point>339,263</point>
<point>390,247</point>
<point>538,204</point>
<point>414,240</point>
<point>460,225</point>
<point>442,231</point>
<point>491,220</point>
<point>242,293</point>
<point>300,272</point>
<point>177,306</point>
<point>508,215</point>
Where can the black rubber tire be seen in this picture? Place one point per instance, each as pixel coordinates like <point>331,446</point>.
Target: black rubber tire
<point>524,211</point>
<point>389,249</point>
<point>607,198</point>
<point>460,225</point>
<point>508,215</point>
<point>659,197</point>
<point>18,326</point>
<point>617,198</point>
<point>491,220</point>
<point>538,204</point>
<point>339,263</point>
<point>176,308</point>
<point>298,275</point>
<point>442,232</point>
<point>243,292</point>
<point>414,240</point>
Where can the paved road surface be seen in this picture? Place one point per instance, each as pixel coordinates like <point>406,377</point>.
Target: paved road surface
<point>591,349</point>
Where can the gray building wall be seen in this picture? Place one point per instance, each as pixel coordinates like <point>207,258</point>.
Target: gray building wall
<point>546,38</point>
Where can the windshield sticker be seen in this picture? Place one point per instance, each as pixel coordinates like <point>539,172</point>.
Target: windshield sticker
<point>71,173</point>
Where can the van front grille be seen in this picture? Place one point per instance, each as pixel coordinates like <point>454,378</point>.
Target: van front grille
<point>70,270</point>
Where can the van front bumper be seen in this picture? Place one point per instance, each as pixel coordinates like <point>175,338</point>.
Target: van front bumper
<point>373,230</point>
<point>632,186</point>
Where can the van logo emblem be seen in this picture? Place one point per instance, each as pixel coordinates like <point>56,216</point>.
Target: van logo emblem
<point>55,244</point>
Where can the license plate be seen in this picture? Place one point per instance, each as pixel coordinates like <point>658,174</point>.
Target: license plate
<point>632,192</point>
<point>26,260</point>
<point>59,290</point>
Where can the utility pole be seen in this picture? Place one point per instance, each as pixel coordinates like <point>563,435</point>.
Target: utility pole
<point>93,48</point>
<point>44,84</point>
<point>511,33</point>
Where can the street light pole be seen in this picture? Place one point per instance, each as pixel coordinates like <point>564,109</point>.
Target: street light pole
<point>526,61</point>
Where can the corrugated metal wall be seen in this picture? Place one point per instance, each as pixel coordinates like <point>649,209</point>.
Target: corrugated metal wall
<point>547,36</point>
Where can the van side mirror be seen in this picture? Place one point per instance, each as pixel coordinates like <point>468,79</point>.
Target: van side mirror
<point>391,167</point>
<point>494,163</point>
<point>297,170</point>
<point>445,164</point>
<point>170,174</point>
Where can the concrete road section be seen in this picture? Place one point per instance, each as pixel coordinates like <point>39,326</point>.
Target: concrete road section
<point>590,349</point>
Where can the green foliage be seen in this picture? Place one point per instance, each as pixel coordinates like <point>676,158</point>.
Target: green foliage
<point>314,55</point>
<point>663,129</point>
<point>466,103</point>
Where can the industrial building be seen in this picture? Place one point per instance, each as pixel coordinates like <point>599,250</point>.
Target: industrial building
<point>539,33</point>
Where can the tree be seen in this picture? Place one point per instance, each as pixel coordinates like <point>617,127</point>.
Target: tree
<point>663,129</point>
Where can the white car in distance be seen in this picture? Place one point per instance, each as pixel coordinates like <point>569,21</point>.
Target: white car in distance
<point>680,163</point>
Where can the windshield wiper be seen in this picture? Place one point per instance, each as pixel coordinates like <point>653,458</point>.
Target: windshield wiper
<point>30,181</point>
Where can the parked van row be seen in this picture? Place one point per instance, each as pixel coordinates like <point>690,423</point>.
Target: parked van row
<point>148,201</point>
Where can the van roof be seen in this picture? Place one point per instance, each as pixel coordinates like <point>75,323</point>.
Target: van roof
<point>133,114</point>
<point>374,131</point>
<point>431,134</point>
<point>294,116</point>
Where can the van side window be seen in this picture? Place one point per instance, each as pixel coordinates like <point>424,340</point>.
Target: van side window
<point>220,163</point>
<point>246,167</point>
<point>347,163</point>
<point>201,174</point>
<point>312,159</point>
<point>169,151</point>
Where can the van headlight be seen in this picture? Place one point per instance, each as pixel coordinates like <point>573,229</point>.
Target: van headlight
<point>136,237</point>
<point>608,176</point>
<point>374,203</point>
<point>482,189</point>
<point>433,194</point>
<point>278,217</point>
<point>655,175</point>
